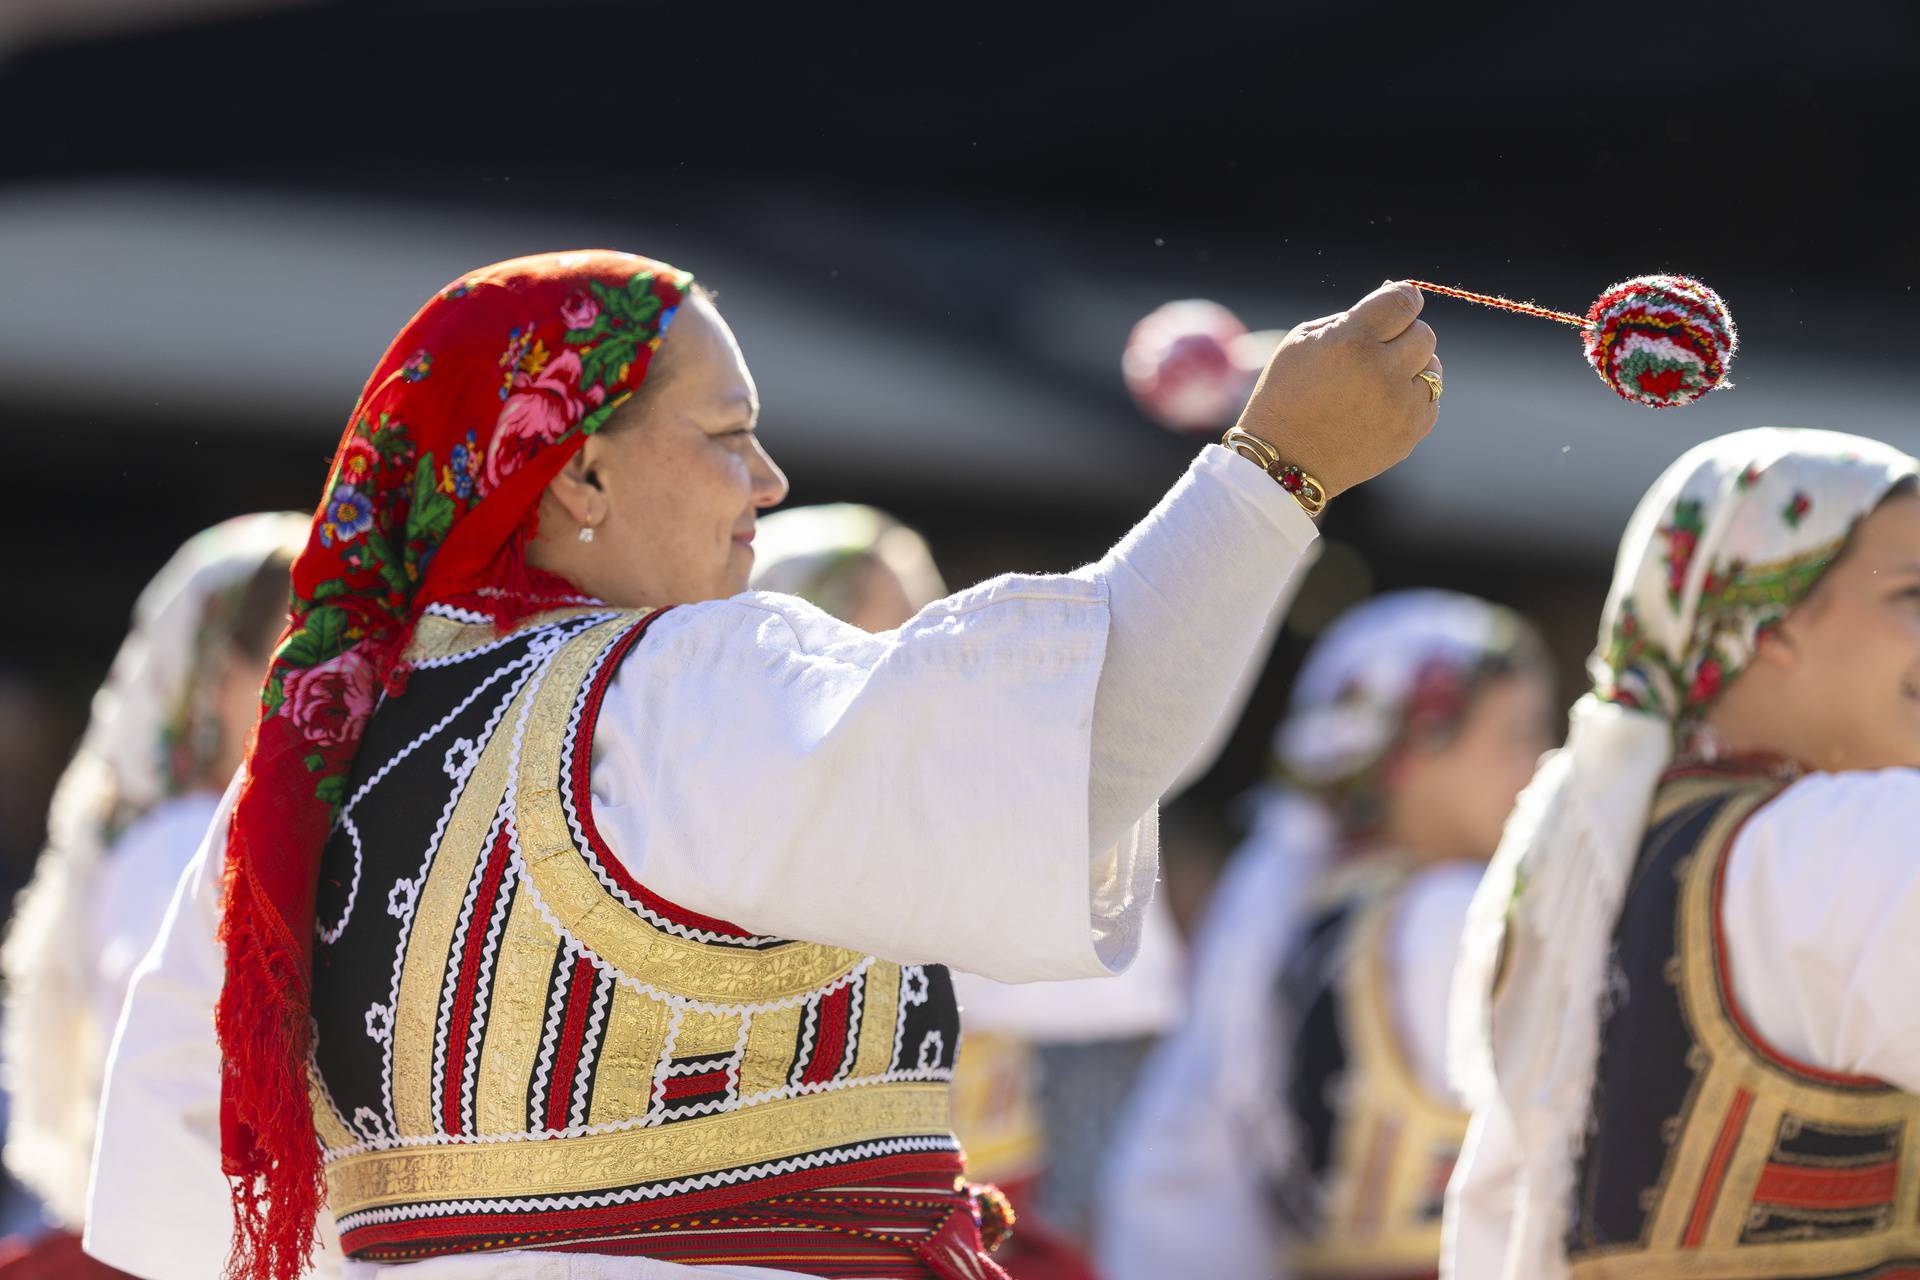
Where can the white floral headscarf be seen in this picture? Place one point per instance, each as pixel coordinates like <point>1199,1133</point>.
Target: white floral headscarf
<point>152,735</point>
<point>1729,539</point>
<point>1394,666</point>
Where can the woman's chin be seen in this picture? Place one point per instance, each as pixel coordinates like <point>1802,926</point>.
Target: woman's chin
<point>739,567</point>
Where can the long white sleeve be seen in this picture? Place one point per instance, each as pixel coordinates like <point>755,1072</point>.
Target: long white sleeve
<point>975,788</point>
<point>1822,920</point>
<point>1194,589</point>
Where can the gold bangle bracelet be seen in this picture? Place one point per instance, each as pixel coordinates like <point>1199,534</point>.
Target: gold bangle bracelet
<point>1308,492</point>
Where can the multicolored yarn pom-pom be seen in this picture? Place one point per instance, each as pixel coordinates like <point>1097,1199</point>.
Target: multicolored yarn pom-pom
<point>1661,341</point>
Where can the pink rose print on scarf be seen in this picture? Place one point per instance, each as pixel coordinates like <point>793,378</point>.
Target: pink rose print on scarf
<point>328,703</point>
<point>539,410</point>
<point>579,310</point>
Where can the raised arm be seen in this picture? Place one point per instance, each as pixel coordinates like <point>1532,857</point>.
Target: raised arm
<point>976,788</point>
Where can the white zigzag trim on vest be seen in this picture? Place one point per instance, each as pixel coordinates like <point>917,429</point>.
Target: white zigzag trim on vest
<point>482,999</point>
<point>603,986</point>
<point>450,981</point>
<point>652,992</point>
<point>570,955</point>
<point>911,1075</point>
<point>480,619</point>
<point>525,668</point>
<point>330,935</point>
<point>705,1182</point>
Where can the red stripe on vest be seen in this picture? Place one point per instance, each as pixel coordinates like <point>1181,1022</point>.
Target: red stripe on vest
<point>409,1239</point>
<point>829,1036</point>
<point>461,1021</point>
<point>1802,1187</point>
<point>566,1057</point>
<point>1716,1169</point>
<point>700,1082</point>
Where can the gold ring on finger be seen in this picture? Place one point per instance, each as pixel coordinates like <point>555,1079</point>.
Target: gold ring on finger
<point>1432,380</point>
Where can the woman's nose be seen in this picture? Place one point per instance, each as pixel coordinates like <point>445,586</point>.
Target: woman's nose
<point>769,481</point>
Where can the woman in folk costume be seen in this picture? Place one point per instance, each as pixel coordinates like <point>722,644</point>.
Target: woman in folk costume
<point>1701,932</point>
<point>1300,1123</point>
<point>865,567</point>
<point>166,733</point>
<point>582,917</point>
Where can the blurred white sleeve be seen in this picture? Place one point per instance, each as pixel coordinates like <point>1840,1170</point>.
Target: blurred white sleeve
<point>158,1205</point>
<point>1186,1191</point>
<point>135,885</point>
<point>974,789</point>
<point>1427,925</point>
<point>1482,1198</point>
<point>1822,919</point>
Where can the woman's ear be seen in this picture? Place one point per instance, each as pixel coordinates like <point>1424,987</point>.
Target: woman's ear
<point>577,489</point>
<point>1779,645</point>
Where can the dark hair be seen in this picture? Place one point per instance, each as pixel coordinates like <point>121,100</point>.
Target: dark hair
<point>260,613</point>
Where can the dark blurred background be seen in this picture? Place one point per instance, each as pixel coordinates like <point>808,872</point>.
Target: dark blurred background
<point>932,228</point>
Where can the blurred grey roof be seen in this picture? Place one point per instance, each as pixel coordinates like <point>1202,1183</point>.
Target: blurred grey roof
<point>176,300</point>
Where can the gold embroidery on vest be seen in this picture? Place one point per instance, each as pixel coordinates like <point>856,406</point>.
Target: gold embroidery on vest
<point>573,893</point>
<point>663,1004</point>
<point>770,1044</point>
<point>702,1034</point>
<point>996,1112</point>
<point>437,637</point>
<point>515,1011</point>
<point>882,1003</point>
<point>770,1131</point>
<point>623,1076</point>
<point>333,1131</point>
<point>1394,1142</point>
<point>1740,1106</point>
<point>423,974</point>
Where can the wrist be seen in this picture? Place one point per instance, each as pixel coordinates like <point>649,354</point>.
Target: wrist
<point>1300,484</point>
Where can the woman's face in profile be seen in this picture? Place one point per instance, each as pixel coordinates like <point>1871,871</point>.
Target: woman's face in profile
<point>1464,788</point>
<point>683,474</point>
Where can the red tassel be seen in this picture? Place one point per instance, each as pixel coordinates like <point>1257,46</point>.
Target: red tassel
<point>279,1184</point>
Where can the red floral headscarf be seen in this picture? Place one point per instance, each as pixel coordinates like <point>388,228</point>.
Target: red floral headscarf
<point>476,406</point>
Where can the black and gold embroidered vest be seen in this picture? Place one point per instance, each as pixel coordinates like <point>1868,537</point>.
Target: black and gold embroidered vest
<point>519,1046</point>
<point>1364,1194</point>
<point>1709,1153</point>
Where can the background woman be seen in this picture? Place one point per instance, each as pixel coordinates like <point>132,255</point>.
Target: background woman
<point>1699,938</point>
<point>166,734</point>
<point>1321,968</point>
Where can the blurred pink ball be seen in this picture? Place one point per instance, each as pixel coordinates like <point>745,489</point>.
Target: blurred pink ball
<point>1181,366</point>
